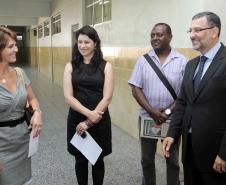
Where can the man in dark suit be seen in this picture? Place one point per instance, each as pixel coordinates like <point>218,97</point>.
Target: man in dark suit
<point>200,110</point>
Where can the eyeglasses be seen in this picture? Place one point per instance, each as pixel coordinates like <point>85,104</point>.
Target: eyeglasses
<point>197,30</point>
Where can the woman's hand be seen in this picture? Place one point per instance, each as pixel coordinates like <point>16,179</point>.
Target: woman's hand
<point>36,119</point>
<point>36,123</point>
<point>81,128</point>
<point>95,116</point>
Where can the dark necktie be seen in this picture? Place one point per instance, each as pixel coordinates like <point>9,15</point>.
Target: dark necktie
<point>198,75</point>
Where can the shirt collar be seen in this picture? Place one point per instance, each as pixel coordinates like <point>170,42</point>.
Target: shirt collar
<point>213,51</point>
<point>173,54</point>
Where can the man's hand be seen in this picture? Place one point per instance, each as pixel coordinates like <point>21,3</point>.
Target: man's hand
<point>159,116</point>
<point>219,165</point>
<point>167,142</point>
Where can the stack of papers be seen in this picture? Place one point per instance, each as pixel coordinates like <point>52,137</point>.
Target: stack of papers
<point>87,146</point>
<point>33,145</point>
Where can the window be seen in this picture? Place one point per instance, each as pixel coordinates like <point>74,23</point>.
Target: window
<point>46,28</point>
<point>97,11</point>
<point>56,23</point>
<point>107,10</point>
<point>40,31</point>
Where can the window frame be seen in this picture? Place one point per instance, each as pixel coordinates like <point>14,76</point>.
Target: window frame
<point>46,28</point>
<point>40,31</point>
<point>56,24</point>
<point>90,15</point>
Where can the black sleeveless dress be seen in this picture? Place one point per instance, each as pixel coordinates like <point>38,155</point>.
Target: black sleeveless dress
<point>88,84</point>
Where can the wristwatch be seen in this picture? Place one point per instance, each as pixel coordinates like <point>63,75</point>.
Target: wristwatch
<point>168,111</point>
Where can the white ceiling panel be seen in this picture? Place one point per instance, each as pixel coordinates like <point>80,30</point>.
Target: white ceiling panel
<point>24,12</point>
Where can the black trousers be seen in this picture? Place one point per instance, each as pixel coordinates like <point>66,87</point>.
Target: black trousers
<point>81,171</point>
<point>148,152</point>
<point>192,175</point>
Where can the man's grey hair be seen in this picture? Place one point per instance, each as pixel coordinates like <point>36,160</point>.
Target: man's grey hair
<point>212,19</point>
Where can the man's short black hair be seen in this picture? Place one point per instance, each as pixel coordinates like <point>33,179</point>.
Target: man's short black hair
<point>168,28</point>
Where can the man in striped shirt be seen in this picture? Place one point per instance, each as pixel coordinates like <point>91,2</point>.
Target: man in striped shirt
<point>154,98</point>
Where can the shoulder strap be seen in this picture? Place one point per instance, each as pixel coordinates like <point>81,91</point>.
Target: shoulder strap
<point>20,75</point>
<point>161,76</point>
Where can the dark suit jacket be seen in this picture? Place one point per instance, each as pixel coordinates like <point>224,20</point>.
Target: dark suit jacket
<point>204,112</point>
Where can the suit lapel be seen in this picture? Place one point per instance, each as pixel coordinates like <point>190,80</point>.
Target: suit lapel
<point>190,79</point>
<point>217,61</point>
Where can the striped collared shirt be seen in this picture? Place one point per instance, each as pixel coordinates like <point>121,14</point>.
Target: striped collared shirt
<point>144,77</point>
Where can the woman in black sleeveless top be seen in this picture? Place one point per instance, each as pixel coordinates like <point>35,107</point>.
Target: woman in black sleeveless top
<point>88,90</point>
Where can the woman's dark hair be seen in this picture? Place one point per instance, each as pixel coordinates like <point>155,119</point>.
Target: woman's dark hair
<point>5,33</point>
<point>97,58</point>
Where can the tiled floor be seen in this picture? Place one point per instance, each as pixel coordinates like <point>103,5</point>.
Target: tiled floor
<point>52,165</point>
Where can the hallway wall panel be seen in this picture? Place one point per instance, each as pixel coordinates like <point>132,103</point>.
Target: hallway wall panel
<point>45,58</point>
<point>33,56</point>
<point>61,56</point>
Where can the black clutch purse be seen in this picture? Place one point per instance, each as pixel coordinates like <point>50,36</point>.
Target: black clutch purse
<point>28,113</point>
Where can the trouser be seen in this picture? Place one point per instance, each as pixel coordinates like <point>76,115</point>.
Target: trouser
<point>148,151</point>
<point>81,170</point>
<point>192,175</point>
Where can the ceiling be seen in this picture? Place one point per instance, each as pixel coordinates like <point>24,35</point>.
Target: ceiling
<point>23,12</point>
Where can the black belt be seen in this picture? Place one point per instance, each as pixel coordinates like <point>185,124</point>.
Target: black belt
<point>12,123</point>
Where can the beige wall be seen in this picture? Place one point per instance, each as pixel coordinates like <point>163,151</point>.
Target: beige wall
<point>123,107</point>
<point>33,55</point>
<point>45,61</point>
<point>61,55</point>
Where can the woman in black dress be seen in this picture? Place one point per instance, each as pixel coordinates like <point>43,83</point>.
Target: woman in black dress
<point>88,90</point>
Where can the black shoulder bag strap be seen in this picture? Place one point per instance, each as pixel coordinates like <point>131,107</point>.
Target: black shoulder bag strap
<point>161,76</point>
